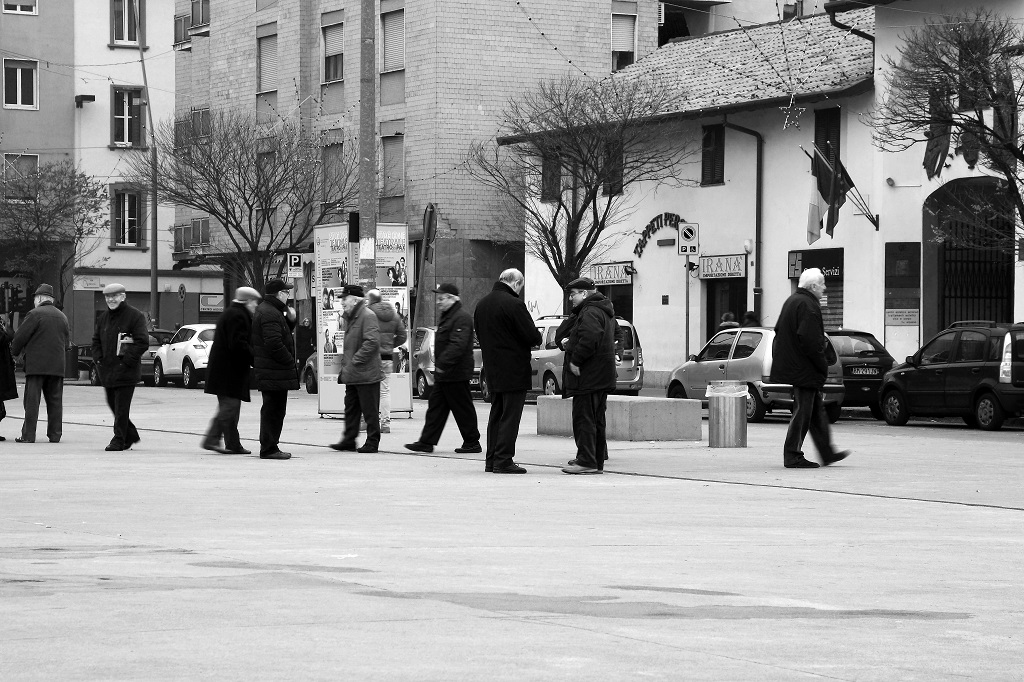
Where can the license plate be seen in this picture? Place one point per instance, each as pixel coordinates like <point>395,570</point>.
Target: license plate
<point>474,382</point>
<point>863,370</point>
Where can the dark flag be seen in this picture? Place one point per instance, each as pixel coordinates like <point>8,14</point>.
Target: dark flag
<point>832,188</point>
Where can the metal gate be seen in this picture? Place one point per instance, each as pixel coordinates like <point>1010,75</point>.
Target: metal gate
<point>976,284</point>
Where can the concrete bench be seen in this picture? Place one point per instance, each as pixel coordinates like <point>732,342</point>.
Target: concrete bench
<point>628,418</point>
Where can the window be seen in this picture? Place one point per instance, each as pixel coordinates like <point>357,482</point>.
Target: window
<point>333,158</point>
<point>18,169</point>
<point>182,335</point>
<point>718,347</point>
<point>973,347</point>
<point>127,213</point>
<point>266,63</point>
<point>393,165</point>
<point>551,178</point>
<point>200,125</point>
<point>623,40</point>
<point>792,10</point>
<point>334,53</point>
<point>200,12</point>
<point>21,7</point>
<point>747,344</point>
<point>20,84</point>
<point>938,349</point>
<point>712,160</point>
<point>181,26</point>
<point>394,40</point>
<point>826,133</point>
<point>613,163</point>
<point>192,235</point>
<point>126,112</point>
<point>126,17</point>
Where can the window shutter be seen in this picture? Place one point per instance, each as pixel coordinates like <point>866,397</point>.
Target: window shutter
<point>623,32</point>
<point>394,40</point>
<point>268,63</point>
<point>826,133</point>
<point>334,40</point>
<point>393,165</point>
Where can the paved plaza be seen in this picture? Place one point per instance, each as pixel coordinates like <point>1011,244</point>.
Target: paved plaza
<point>680,563</point>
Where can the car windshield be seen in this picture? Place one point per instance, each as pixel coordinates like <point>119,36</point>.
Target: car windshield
<point>862,345</point>
<point>206,335</point>
<point>157,338</point>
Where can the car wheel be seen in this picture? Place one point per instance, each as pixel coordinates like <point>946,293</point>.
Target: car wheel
<point>422,387</point>
<point>988,412</point>
<point>158,374</point>
<point>894,408</point>
<point>676,391</point>
<point>876,411</point>
<point>147,381</point>
<point>188,375</point>
<point>833,411</point>
<point>550,384</point>
<point>755,406</point>
<point>310,381</point>
<point>970,421</point>
<point>94,376</point>
<point>485,389</point>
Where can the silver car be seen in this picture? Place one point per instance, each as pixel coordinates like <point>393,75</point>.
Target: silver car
<point>745,354</point>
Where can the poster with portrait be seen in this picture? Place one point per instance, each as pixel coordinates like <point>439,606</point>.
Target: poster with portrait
<point>401,378</point>
<point>394,265</point>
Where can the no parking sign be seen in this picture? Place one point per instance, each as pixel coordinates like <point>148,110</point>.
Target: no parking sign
<point>689,239</point>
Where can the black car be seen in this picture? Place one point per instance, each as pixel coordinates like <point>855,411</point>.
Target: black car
<point>865,362</point>
<point>973,370</point>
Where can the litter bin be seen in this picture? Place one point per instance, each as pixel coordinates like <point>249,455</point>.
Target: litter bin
<point>71,362</point>
<point>727,414</point>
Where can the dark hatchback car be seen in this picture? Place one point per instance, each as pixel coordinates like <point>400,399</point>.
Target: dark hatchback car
<point>973,370</point>
<point>865,362</point>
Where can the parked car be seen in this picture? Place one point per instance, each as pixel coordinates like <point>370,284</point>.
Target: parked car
<point>865,362</point>
<point>309,374</point>
<point>185,356</point>
<point>745,354</point>
<point>422,362</point>
<point>157,338</point>
<point>973,370</point>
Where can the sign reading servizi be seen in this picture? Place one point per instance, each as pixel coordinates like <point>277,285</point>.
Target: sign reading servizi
<point>720,267</point>
<point>605,274</point>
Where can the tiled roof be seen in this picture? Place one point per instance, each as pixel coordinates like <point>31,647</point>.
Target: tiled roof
<point>767,63</point>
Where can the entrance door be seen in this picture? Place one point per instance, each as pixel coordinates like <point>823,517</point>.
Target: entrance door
<point>621,296</point>
<point>727,295</point>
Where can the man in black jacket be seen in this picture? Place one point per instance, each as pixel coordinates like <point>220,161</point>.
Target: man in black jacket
<point>453,368</point>
<point>798,358</point>
<point>507,333</point>
<point>118,343</point>
<point>588,371</point>
<point>227,373</point>
<point>274,364</point>
<point>43,337</point>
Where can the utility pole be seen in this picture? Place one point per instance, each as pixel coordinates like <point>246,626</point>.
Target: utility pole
<point>154,243</point>
<point>367,266</point>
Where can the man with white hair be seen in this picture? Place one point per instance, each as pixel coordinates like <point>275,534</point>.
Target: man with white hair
<point>799,359</point>
<point>43,337</point>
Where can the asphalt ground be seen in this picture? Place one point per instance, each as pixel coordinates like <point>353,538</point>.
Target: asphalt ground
<point>168,562</point>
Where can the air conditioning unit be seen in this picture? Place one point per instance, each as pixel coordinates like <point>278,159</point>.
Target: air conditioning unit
<point>661,14</point>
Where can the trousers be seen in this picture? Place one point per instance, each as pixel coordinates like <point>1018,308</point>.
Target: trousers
<point>51,389</point>
<point>119,399</point>
<point>387,366</point>
<point>503,428</point>
<point>275,406</point>
<point>454,398</point>
<point>225,423</point>
<point>362,400</point>
<point>588,428</point>
<point>808,416</point>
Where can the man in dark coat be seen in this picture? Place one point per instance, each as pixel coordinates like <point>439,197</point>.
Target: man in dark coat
<point>453,368</point>
<point>392,334</point>
<point>43,337</point>
<point>274,364</point>
<point>360,371</point>
<point>227,374</point>
<point>507,333</point>
<point>118,343</point>
<point>798,358</point>
<point>8,384</point>
<point>588,371</point>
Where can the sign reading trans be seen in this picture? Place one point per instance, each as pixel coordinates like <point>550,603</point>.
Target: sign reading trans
<point>689,239</point>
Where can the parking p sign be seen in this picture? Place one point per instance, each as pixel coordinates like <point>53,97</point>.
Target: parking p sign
<point>689,239</point>
<point>294,265</point>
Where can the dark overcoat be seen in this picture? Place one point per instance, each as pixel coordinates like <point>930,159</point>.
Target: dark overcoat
<point>272,344</point>
<point>125,369</point>
<point>798,352</point>
<point>507,333</point>
<point>360,353</point>
<point>8,383</point>
<point>227,373</point>
<point>43,337</point>
<point>453,345</point>
<point>591,330</point>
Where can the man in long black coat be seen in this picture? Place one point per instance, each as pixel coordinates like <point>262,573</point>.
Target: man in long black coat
<point>118,343</point>
<point>43,337</point>
<point>798,358</point>
<point>274,364</point>
<point>453,368</point>
<point>507,333</point>
<point>8,383</point>
<point>227,374</point>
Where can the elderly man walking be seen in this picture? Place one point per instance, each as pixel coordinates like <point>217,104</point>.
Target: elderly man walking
<point>274,364</point>
<point>453,368</point>
<point>118,343</point>
<point>392,334</point>
<point>798,353</point>
<point>43,338</point>
<point>507,333</point>
<point>360,371</point>
<point>227,374</point>
<point>8,381</point>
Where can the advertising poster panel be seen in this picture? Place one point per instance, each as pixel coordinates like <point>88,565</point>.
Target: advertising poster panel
<point>393,277</point>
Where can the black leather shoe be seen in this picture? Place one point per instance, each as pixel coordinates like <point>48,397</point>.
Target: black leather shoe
<point>573,463</point>
<point>469,447</point>
<point>343,446</point>
<point>215,448</point>
<point>836,457</point>
<point>238,451</point>
<point>801,464</point>
<point>133,441</point>
<point>276,455</point>
<point>19,439</point>
<point>419,447</point>
<point>115,448</point>
<point>366,447</point>
<point>510,469</point>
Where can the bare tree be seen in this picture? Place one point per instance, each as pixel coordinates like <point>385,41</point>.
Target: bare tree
<point>49,219</point>
<point>957,83</point>
<point>565,155</point>
<point>266,186</point>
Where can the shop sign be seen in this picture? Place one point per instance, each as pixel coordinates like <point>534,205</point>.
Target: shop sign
<point>211,303</point>
<point>829,261</point>
<point>658,222</point>
<point>902,317</point>
<point>605,274</point>
<point>721,267</point>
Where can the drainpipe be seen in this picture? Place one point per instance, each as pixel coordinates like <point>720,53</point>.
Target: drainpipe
<point>758,210</point>
<point>851,29</point>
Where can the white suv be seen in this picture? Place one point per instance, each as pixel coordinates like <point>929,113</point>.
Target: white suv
<point>185,356</point>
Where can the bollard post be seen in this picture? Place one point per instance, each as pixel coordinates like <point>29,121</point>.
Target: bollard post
<point>727,414</point>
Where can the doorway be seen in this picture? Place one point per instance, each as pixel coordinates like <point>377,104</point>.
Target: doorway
<point>725,295</point>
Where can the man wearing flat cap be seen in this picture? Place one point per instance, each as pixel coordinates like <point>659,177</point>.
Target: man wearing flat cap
<point>360,370</point>
<point>43,338</point>
<point>453,368</point>
<point>118,343</point>
<point>227,374</point>
<point>274,364</point>
<point>588,371</point>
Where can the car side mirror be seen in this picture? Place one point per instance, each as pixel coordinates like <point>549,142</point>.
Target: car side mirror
<point>692,357</point>
<point>911,360</point>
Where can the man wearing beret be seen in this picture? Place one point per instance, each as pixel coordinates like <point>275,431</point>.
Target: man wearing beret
<point>274,364</point>
<point>227,374</point>
<point>588,371</point>
<point>360,370</point>
<point>43,338</point>
<point>453,368</point>
<point>118,343</point>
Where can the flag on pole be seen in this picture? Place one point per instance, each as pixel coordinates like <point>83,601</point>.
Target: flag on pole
<point>818,206</point>
<point>829,195</point>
